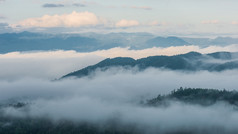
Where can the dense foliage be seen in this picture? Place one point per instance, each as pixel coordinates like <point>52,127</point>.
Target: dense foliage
<point>45,125</point>
<point>15,125</point>
<point>200,96</point>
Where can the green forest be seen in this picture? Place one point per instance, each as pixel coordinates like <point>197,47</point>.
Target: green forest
<point>44,125</point>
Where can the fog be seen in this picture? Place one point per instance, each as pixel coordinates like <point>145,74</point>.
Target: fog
<point>116,94</point>
<point>54,64</point>
<point>117,83</point>
<point>43,65</point>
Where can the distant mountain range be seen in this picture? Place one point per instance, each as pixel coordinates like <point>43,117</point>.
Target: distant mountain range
<point>87,42</point>
<point>192,61</point>
<point>165,42</point>
<point>26,41</point>
<point>220,41</point>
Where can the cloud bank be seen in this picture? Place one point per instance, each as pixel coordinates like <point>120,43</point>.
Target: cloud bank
<point>54,64</point>
<point>234,22</point>
<point>127,23</point>
<point>210,22</point>
<point>74,19</point>
<point>116,94</point>
<point>43,65</point>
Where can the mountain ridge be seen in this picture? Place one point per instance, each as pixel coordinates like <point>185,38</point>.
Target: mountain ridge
<point>192,61</point>
<point>28,41</point>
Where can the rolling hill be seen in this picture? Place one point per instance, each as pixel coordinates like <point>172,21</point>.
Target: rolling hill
<point>192,61</point>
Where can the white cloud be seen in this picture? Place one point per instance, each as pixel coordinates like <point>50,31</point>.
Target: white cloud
<point>74,19</point>
<point>154,23</point>
<point>115,94</point>
<point>127,23</point>
<point>234,22</point>
<point>43,65</point>
<point>210,22</point>
<point>125,52</point>
<point>54,64</point>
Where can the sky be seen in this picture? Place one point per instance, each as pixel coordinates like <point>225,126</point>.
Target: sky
<point>166,17</point>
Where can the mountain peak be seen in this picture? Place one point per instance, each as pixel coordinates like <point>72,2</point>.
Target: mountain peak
<point>191,61</point>
<point>191,54</point>
<point>117,61</point>
<point>166,42</point>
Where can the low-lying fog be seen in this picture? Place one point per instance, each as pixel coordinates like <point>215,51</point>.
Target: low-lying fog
<point>114,94</point>
<point>54,64</point>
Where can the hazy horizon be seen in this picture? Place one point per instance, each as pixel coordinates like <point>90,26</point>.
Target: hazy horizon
<point>160,17</point>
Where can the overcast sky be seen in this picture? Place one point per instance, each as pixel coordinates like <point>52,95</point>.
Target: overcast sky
<point>155,16</point>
